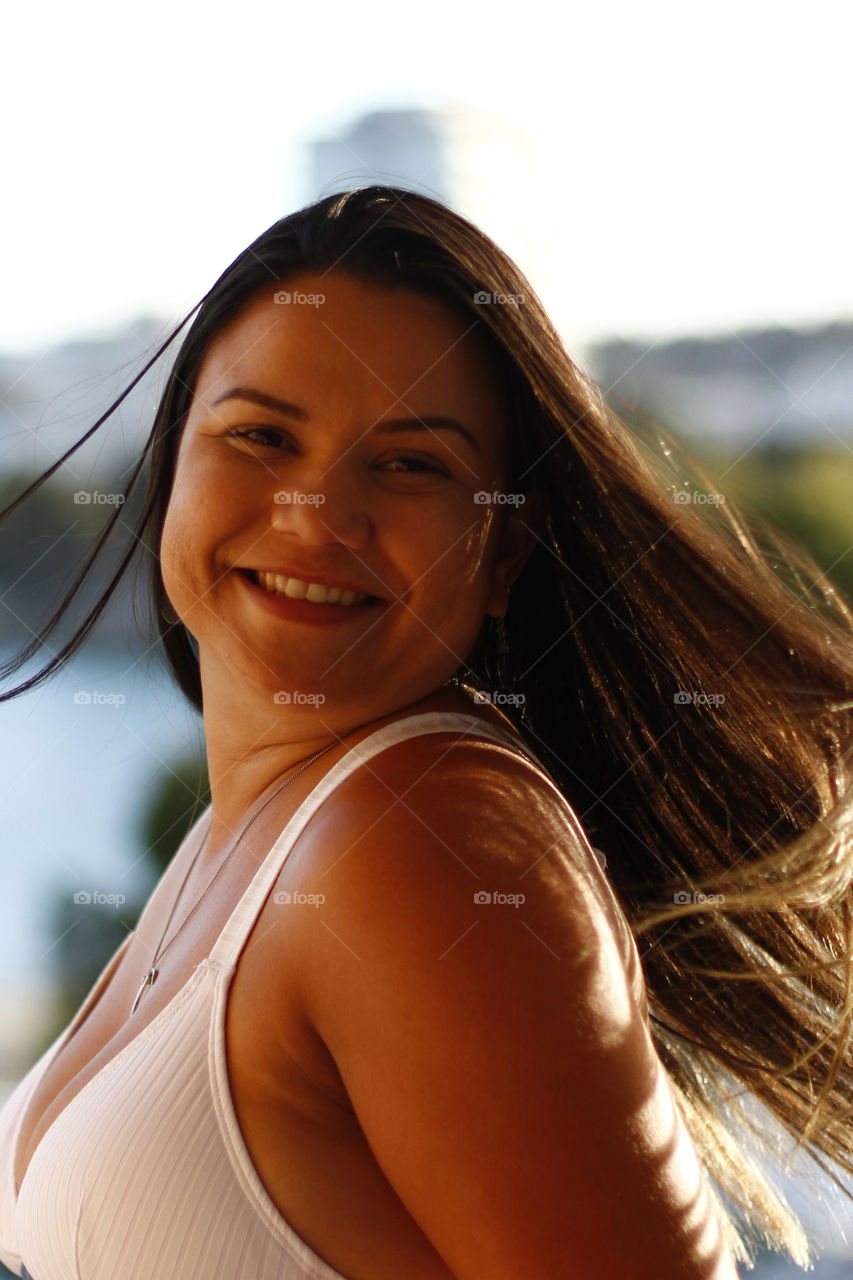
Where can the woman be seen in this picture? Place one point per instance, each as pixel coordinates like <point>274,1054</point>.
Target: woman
<point>384,1014</point>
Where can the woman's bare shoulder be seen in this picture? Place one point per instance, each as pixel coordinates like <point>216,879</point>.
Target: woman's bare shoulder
<point>481,806</point>
<point>465,976</point>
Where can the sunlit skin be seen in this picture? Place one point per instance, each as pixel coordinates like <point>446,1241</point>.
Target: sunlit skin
<point>393,513</point>
<point>569,1054</point>
<point>426,1086</point>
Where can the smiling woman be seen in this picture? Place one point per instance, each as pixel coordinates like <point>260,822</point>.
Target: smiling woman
<point>385,1014</point>
<point>296,418</point>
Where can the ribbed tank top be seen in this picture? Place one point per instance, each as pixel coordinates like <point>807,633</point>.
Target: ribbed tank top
<point>144,1175</point>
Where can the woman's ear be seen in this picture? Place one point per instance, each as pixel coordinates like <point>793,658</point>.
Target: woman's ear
<point>523,528</point>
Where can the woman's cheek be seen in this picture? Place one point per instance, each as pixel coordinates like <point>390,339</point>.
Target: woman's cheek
<point>176,561</point>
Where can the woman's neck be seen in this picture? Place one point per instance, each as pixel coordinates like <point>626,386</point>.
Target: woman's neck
<point>245,765</point>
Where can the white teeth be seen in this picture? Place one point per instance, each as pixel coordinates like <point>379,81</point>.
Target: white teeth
<point>296,589</point>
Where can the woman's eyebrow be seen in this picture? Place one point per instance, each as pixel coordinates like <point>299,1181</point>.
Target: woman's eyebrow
<point>265,400</point>
<point>429,422</point>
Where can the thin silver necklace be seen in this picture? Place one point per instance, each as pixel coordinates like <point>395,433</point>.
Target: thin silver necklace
<point>151,975</point>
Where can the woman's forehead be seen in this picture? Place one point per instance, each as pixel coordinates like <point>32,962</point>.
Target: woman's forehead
<point>330,337</point>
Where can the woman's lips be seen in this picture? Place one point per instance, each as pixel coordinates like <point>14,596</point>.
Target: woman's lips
<point>291,609</point>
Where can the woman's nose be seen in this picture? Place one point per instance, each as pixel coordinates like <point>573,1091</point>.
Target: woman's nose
<point>328,510</point>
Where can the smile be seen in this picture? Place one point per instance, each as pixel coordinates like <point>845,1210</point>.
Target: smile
<point>315,592</point>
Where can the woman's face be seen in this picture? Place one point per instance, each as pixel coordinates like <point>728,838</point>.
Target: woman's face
<point>319,448</point>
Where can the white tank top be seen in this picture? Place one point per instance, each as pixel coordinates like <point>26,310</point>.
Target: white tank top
<point>144,1175</point>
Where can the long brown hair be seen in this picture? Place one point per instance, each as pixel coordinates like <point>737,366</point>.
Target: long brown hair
<point>687,676</point>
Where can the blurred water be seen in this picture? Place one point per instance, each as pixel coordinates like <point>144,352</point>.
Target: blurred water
<point>79,757</point>
<point>778,1269</point>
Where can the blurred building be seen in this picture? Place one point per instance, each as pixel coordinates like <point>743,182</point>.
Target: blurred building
<point>791,383</point>
<point>487,167</point>
<point>780,384</point>
<point>49,399</point>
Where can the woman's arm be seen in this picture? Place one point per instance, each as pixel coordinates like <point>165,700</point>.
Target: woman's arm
<point>497,1053</point>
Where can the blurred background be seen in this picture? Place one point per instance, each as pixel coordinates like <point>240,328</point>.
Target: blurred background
<point>671,179</point>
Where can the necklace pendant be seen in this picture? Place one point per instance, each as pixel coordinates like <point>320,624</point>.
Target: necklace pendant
<point>147,981</point>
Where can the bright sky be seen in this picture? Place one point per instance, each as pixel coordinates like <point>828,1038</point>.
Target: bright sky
<point>696,174</point>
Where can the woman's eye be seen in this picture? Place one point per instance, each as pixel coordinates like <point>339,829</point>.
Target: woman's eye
<point>415,465</point>
<point>273,435</point>
<point>403,464</point>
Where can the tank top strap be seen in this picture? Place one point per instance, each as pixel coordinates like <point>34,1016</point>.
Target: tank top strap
<point>230,942</point>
